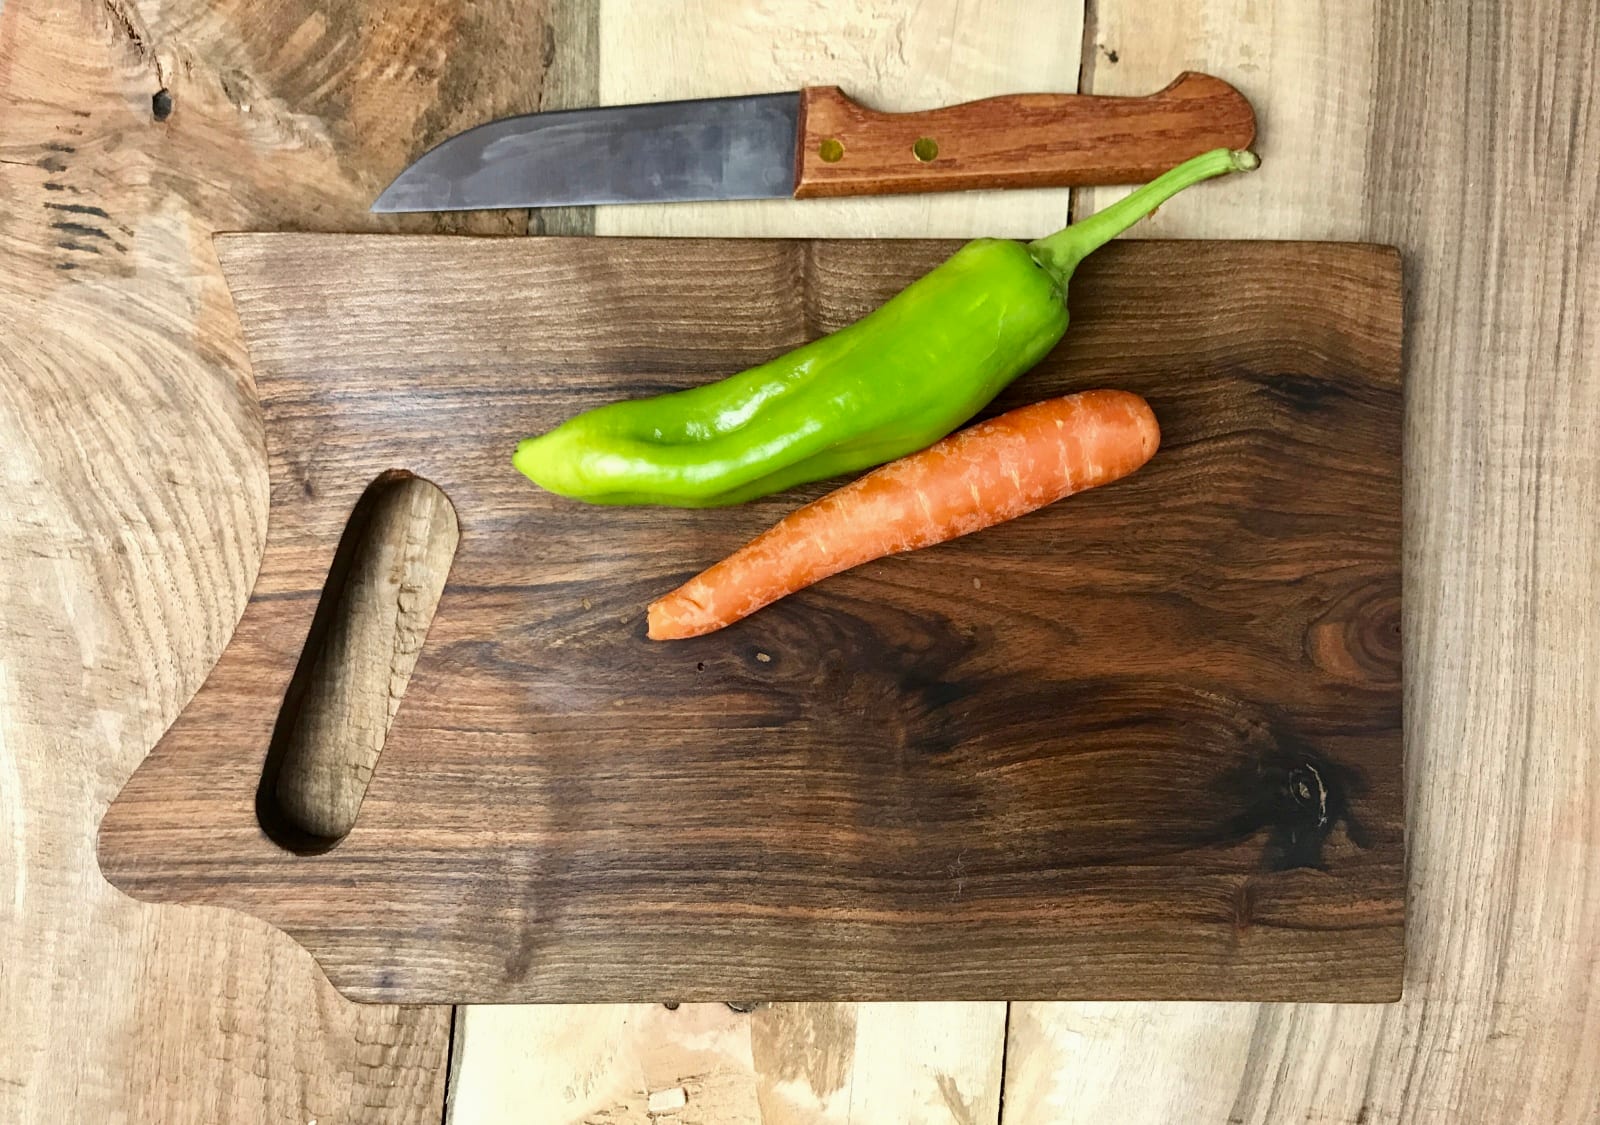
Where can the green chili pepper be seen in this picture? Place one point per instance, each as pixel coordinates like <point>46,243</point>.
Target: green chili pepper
<point>895,381</point>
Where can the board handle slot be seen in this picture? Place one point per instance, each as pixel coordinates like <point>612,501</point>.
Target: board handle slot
<point>373,615</point>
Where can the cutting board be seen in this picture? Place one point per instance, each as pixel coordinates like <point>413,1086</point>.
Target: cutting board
<point>1144,743</point>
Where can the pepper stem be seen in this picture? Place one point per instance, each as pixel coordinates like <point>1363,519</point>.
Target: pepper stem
<point>1061,252</point>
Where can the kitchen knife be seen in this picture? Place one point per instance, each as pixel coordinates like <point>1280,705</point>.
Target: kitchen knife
<point>817,142</point>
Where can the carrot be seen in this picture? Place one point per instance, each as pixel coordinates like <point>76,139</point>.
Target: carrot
<point>983,475</point>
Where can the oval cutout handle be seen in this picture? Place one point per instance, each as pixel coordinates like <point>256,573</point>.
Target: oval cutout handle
<point>382,589</point>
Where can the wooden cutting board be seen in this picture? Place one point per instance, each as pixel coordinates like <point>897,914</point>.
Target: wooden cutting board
<point>1145,743</point>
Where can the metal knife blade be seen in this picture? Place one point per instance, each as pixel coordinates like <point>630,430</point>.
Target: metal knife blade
<point>710,148</point>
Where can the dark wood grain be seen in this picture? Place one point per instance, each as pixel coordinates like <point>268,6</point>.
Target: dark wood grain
<point>1143,743</point>
<point>1014,141</point>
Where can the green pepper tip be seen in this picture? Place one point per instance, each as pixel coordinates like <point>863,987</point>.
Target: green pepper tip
<point>522,459</point>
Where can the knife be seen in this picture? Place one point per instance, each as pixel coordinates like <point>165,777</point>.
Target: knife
<point>817,142</point>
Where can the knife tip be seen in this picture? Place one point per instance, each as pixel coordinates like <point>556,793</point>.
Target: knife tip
<point>398,197</point>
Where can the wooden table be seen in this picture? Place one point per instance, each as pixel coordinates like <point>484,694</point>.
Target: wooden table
<point>1465,133</point>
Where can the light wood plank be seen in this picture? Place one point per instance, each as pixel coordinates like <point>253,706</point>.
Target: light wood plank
<point>891,56</point>
<point>783,1064</point>
<point>1476,126</point>
<point>926,1063</point>
<point>577,1063</point>
<point>1124,1062</point>
<point>130,450</point>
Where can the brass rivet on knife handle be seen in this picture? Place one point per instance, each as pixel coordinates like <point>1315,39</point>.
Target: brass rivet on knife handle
<point>1017,140</point>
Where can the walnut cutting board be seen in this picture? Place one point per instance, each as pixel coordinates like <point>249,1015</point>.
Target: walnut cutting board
<point>1145,743</point>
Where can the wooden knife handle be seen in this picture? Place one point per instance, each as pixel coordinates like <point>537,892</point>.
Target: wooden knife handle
<point>1017,140</point>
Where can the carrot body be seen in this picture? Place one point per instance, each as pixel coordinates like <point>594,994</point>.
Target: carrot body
<point>983,475</point>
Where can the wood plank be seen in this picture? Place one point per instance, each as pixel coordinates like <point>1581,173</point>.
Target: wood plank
<point>127,420</point>
<point>900,58</point>
<point>829,1064</point>
<point>891,56</point>
<point>1146,1063</point>
<point>1494,204</point>
<point>999,796</point>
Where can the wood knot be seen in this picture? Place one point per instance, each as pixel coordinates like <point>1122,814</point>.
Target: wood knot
<point>1306,788</point>
<point>1357,638</point>
<point>1297,798</point>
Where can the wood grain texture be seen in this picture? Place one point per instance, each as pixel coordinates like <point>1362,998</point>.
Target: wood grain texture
<point>829,1064</point>
<point>130,450</point>
<point>1494,203</point>
<point>899,57</point>
<point>1017,140</point>
<point>1161,763</point>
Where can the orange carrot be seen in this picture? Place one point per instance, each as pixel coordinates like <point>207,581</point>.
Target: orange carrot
<point>983,475</point>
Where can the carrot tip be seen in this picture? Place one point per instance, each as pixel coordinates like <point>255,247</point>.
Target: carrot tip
<point>656,630</point>
<point>664,625</point>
